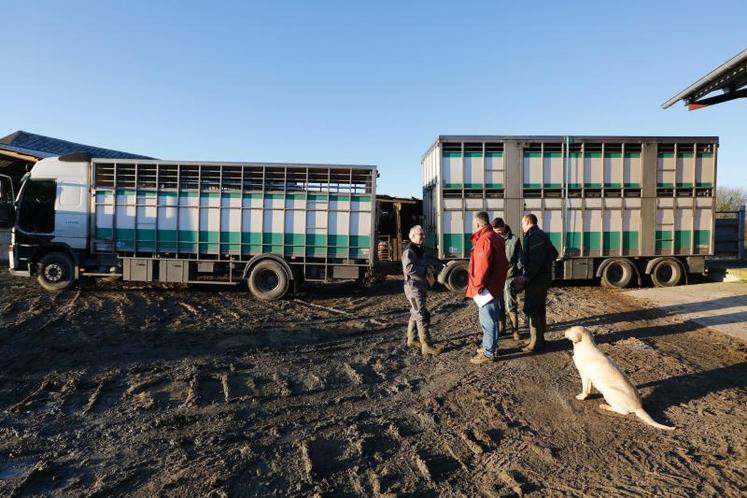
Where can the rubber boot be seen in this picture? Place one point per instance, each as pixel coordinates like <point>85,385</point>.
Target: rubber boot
<point>425,342</point>
<point>542,329</point>
<point>412,341</point>
<point>514,319</point>
<point>536,334</point>
<point>502,330</point>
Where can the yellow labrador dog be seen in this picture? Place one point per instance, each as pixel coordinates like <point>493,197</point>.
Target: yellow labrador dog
<point>599,371</point>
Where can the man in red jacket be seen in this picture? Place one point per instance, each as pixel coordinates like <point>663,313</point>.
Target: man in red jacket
<point>487,272</point>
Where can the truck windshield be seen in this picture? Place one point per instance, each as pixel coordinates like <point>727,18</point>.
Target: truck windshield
<point>36,210</point>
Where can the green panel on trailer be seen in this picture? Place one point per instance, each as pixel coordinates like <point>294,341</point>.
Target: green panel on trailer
<point>430,239</point>
<point>630,240</point>
<point>664,239</point>
<point>543,185</point>
<point>611,241</point>
<point>702,238</point>
<point>590,240</point>
<point>252,242</point>
<point>681,240</point>
<point>555,238</point>
<point>457,241</point>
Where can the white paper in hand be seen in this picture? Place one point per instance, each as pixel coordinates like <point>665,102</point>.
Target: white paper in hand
<point>483,298</point>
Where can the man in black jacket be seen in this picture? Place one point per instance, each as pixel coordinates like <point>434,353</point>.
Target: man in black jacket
<point>538,258</point>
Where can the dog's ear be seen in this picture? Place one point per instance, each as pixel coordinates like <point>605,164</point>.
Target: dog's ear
<point>574,334</point>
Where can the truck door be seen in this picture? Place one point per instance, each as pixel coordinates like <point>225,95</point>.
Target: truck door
<point>7,208</point>
<point>71,213</point>
<point>36,207</point>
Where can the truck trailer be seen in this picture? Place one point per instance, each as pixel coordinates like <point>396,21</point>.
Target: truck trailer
<point>269,225</point>
<point>617,208</point>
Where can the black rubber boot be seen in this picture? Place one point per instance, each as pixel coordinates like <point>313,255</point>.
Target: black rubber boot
<point>502,330</point>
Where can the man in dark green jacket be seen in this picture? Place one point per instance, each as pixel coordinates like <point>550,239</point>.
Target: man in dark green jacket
<point>538,260</point>
<point>513,255</point>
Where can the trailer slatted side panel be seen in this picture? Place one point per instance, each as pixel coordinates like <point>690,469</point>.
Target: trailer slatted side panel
<point>594,196</point>
<point>320,214</point>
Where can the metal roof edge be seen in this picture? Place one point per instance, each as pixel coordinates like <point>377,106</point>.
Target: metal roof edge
<point>737,59</point>
<point>232,163</point>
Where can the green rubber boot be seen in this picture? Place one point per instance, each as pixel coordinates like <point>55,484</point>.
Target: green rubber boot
<point>412,341</point>
<point>536,334</point>
<point>514,319</point>
<point>425,343</point>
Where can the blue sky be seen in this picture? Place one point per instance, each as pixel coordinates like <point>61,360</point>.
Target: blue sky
<point>362,82</point>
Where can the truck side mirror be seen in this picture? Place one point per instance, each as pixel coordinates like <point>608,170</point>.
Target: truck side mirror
<point>7,208</point>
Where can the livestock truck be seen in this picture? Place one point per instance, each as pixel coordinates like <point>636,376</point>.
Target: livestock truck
<point>618,208</point>
<point>268,225</point>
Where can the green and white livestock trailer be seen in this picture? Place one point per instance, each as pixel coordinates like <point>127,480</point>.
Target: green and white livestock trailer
<point>269,225</point>
<point>616,208</point>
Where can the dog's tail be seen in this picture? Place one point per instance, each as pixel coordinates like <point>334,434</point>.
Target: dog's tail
<point>643,415</point>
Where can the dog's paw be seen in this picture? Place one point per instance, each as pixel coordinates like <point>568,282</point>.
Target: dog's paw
<point>581,397</point>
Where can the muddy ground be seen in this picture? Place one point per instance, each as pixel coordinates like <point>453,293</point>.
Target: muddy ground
<point>127,390</point>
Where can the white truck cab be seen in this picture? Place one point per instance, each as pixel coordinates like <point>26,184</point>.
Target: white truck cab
<point>51,210</point>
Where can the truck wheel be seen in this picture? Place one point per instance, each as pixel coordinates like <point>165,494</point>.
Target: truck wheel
<point>666,273</point>
<point>456,280</point>
<point>56,272</point>
<point>618,274</point>
<point>268,280</point>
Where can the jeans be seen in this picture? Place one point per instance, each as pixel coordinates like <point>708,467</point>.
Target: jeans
<point>489,323</point>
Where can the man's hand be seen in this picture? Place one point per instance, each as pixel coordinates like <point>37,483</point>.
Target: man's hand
<point>430,278</point>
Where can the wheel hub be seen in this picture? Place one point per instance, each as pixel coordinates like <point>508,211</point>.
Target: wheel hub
<point>460,278</point>
<point>616,273</point>
<point>53,272</point>
<point>665,273</point>
<point>268,280</point>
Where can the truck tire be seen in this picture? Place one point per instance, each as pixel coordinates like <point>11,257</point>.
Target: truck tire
<point>667,273</point>
<point>618,273</point>
<point>268,280</point>
<point>456,280</point>
<point>56,272</point>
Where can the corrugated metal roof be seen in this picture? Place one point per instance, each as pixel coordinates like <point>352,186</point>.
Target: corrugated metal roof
<point>729,77</point>
<point>40,146</point>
